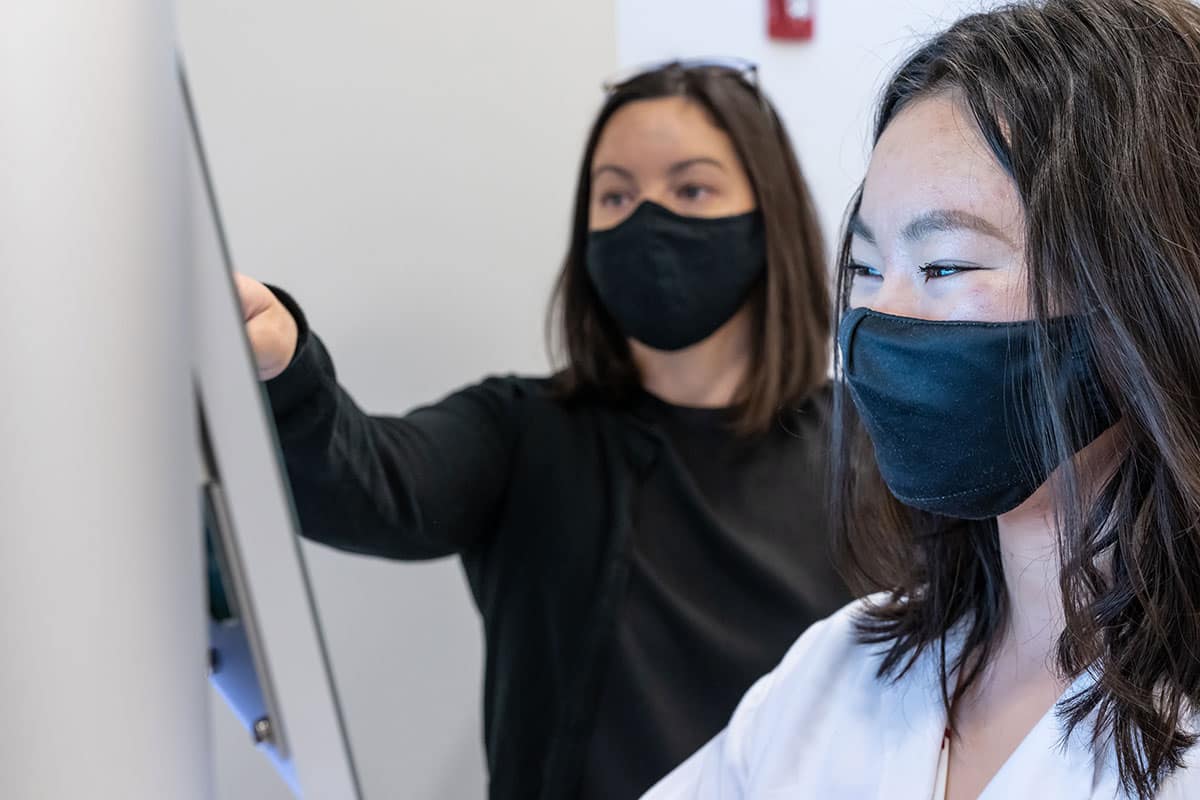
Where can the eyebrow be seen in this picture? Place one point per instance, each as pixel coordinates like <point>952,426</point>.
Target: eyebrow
<point>673,170</point>
<point>620,171</point>
<point>683,166</point>
<point>859,228</point>
<point>934,221</point>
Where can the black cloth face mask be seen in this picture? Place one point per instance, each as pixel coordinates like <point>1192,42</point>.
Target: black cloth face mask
<point>948,406</point>
<point>671,281</point>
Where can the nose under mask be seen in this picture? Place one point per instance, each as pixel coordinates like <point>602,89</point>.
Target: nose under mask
<point>671,281</point>
<point>948,406</point>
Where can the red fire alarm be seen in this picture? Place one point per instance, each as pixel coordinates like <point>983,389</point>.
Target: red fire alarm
<point>791,20</point>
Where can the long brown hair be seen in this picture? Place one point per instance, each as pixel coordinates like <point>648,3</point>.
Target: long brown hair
<point>791,303</point>
<point>1093,109</point>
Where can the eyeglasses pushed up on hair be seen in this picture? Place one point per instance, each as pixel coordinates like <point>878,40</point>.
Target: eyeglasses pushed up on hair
<point>744,69</point>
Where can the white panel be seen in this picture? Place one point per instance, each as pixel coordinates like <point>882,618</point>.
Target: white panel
<point>262,545</point>
<point>102,677</point>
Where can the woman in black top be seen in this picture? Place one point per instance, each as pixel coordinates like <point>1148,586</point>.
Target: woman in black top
<point>644,533</point>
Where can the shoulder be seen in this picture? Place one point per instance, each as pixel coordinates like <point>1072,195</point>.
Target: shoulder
<point>505,390</point>
<point>496,402</point>
<point>516,387</point>
<point>834,638</point>
<point>805,724</point>
<point>826,673</point>
<point>544,398</point>
<point>538,388</point>
<point>530,407</point>
<point>828,653</point>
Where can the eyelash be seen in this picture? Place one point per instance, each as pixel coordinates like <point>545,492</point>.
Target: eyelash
<point>701,190</point>
<point>609,199</point>
<point>928,269</point>
<point>607,196</point>
<point>859,270</point>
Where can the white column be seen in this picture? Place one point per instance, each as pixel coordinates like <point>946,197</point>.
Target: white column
<point>102,639</point>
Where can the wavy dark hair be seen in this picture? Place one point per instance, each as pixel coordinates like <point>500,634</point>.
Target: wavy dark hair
<point>792,303</point>
<point>1092,107</point>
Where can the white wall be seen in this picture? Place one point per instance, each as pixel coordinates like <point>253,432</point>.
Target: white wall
<point>405,169</point>
<point>825,89</point>
<point>101,597</point>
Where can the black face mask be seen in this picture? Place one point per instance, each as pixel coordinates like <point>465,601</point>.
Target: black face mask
<point>948,406</point>
<point>671,281</point>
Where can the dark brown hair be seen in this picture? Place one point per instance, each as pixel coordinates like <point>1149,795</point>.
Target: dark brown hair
<point>1093,109</point>
<point>791,303</point>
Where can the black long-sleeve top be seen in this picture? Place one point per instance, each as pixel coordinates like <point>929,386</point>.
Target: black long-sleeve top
<point>636,567</point>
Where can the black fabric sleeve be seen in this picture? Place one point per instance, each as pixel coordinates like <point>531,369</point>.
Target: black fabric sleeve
<point>425,485</point>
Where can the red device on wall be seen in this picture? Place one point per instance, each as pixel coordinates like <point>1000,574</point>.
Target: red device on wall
<point>790,20</point>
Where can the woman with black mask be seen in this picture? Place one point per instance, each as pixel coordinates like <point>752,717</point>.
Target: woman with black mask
<point>1018,442</point>
<point>645,532</point>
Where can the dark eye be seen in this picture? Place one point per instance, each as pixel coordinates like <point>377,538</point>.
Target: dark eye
<point>612,199</point>
<point>859,270</point>
<point>692,192</point>
<point>936,271</point>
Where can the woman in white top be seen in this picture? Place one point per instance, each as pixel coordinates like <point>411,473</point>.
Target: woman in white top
<point>1019,447</point>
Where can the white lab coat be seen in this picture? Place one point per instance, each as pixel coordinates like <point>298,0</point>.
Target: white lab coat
<point>822,726</point>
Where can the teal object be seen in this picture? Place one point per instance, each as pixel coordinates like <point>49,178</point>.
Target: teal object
<point>219,608</point>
